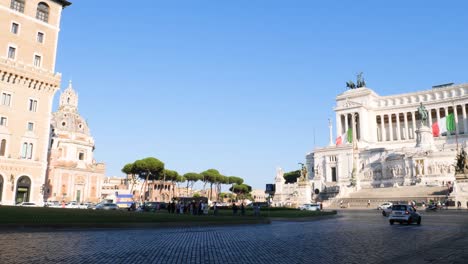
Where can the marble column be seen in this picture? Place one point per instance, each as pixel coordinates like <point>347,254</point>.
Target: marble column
<point>465,124</point>
<point>398,134</point>
<point>406,131</point>
<point>390,126</point>
<point>446,114</point>
<point>413,118</point>
<point>384,131</point>
<point>429,111</point>
<point>339,132</point>
<point>346,123</point>
<point>455,113</point>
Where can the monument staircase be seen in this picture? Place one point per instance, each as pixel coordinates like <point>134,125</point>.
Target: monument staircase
<point>378,196</point>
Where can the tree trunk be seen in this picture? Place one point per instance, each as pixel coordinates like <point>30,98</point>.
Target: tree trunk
<point>211,190</point>
<point>146,183</point>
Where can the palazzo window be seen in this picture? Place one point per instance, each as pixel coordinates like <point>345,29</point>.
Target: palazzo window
<point>24,150</point>
<point>11,53</point>
<point>32,105</point>
<point>17,5</point>
<point>40,37</point>
<point>30,126</point>
<point>3,147</point>
<point>27,150</point>
<point>14,28</point>
<point>6,99</point>
<point>42,12</point>
<point>81,156</point>
<point>37,61</point>
<point>3,121</point>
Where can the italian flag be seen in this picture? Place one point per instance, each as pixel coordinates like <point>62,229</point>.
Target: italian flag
<point>445,124</point>
<point>347,137</point>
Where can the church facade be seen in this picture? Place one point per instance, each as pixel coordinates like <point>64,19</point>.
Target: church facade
<point>73,174</point>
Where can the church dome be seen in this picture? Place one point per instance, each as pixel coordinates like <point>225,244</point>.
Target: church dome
<point>70,122</point>
<point>67,117</point>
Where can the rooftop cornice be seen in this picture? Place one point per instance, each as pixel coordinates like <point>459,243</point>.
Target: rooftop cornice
<point>429,91</point>
<point>64,3</point>
<point>16,73</point>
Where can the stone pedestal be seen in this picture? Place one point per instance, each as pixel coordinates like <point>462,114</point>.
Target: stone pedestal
<point>304,190</point>
<point>424,138</point>
<point>461,190</point>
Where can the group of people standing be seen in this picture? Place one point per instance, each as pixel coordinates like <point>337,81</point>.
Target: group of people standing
<point>192,208</point>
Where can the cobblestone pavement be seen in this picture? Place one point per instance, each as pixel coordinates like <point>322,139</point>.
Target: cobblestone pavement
<point>351,237</point>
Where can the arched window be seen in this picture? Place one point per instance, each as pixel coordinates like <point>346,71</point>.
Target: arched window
<point>42,12</point>
<point>24,150</point>
<point>17,5</point>
<point>30,150</point>
<point>3,147</point>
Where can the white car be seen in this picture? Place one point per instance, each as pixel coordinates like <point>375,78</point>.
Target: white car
<point>403,213</point>
<point>27,204</point>
<point>384,206</point>
<point>310,207</point>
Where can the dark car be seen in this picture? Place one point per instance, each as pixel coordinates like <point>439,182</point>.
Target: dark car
<point>153,206</point>
<point>107,206</point>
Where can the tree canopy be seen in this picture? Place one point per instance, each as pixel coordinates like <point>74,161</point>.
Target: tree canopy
<point>235,180</point>
<point>291,177</point>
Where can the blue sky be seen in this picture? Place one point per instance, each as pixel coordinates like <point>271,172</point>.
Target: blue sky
<point>242,85</point>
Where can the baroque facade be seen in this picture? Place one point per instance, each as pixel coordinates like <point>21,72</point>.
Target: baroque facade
<point>392,146</point>
<point>28,82</point>
<point>73,174</point>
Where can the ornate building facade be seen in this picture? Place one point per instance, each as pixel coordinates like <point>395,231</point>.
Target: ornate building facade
<point>73,174</point>
<point>391,145</point>
<point>28,82</point>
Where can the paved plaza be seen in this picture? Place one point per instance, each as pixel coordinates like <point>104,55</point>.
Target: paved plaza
<point>350,237</point>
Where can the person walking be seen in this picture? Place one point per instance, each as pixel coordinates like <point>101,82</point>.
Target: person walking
<point>368,203</point>
<point>215,208</point>
<point>234,209</point>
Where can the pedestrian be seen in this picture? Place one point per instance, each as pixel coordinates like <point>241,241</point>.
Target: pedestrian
<point>173,207</point>
<point>242,209</point>
<point>234,209</point>
<point>215,208</point>
<point>200,208</point>
<point>368,203</point>
<point>341,204</point>
<point>458,205</point>
<point>257,210</point>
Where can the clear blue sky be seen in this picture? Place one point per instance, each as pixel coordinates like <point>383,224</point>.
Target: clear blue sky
<point>241,85</point>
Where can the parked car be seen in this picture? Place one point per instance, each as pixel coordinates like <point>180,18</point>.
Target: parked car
<point>310,207</point>
<point>27,204</point>
<point>403,213</point>
<point>153,206</point>
<point>107,206</point>
<point>72,205</point>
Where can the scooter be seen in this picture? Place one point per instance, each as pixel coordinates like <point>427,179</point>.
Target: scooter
<point>431,207</point>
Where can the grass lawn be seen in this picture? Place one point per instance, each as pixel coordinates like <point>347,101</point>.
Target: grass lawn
<point>12,216</point>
